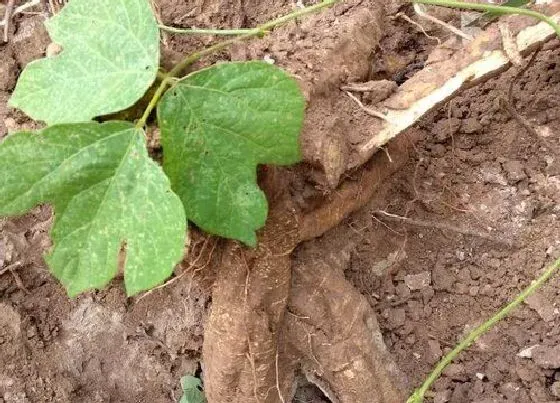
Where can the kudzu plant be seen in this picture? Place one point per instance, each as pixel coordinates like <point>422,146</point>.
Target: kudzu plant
<point>109,197</point>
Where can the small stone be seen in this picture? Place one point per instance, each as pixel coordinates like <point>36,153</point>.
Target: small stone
<point>442,278</point>
<point>428,310</point>
<point>8,72</point>
<point>480,375</point>
<point>418,281</point>
<point>442,396</point>
<point>427,294</point>
<point>445,128</point>
<point>485,120</point>
<point>487,290</point>
<point>546,357</point>
<point>527,352</point>
<point>539,393</point>
<point>456,372</point>
<point>542,306</point>
<point>434,349</point>
<point>510,390</point>
<point>415,310</point>
<point>514,172</point>
<point>555,389</point>
<point>527,372</point>
<point>397,317</point>
<point>10,123</point>
<point>461,392</point>
<point>476,273</point>
<point>402,291</point>
<point>491,174</point>
<point>471,126</point>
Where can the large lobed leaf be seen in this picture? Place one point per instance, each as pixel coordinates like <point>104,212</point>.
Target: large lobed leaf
<point>217,125</point>
<point>110,58</point>
<point>107,194</point>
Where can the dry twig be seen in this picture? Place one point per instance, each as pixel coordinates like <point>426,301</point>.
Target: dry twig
<point>410,20</point>
<point>8,13</point>
<point>369,111</point>
<point>442,227</point>
<point>422,14</point>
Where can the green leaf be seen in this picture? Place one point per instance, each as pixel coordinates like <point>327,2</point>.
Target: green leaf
<point>110,58</point>
<point>217,125</point>
<point>106,193</point>
<point>192,390</point>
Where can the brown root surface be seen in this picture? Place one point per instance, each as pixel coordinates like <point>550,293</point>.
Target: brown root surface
<point>251,348</point>
<point>304,303</point>
<point>334,330</point>
<point>248,308</point>
<point>246,355</point>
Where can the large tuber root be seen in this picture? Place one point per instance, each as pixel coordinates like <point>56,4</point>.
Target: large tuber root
<point>334,329</point>
<point>244,359</point>
<point>249,303</point>
<point>264,324</point>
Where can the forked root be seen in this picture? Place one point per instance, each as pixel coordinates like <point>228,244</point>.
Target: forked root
<point>269,319</point>
<point>252,348</point>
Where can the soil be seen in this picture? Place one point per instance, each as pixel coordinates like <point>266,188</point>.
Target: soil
<point>479,199</point>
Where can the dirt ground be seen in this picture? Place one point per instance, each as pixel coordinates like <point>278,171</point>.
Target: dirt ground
<point>479,201</point>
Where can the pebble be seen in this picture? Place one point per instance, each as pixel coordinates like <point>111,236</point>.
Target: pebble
<point>542,306</point>
<point>514,171</point>
<point>527,352</point>
<point>471,126</point>
<point>402,291</point>
<point>418,281</point>
<point>546,357</point>
<point>434,350</point>
<point>456,372</point>
<point>492,175</point>
<point>442,396</point>
<point>555,389</point>
<point>427,294</point>
<point>527,373</point>
<point>397,317</point>
<point>510,390</point>
<point>442,278</point>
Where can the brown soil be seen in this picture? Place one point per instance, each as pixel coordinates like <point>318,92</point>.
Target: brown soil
<point>480,195</point>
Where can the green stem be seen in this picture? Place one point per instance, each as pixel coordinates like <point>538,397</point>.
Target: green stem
<point>493,9</point>
<point>418,395</point>
<point>190,59</point>
<point>206,31</point>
